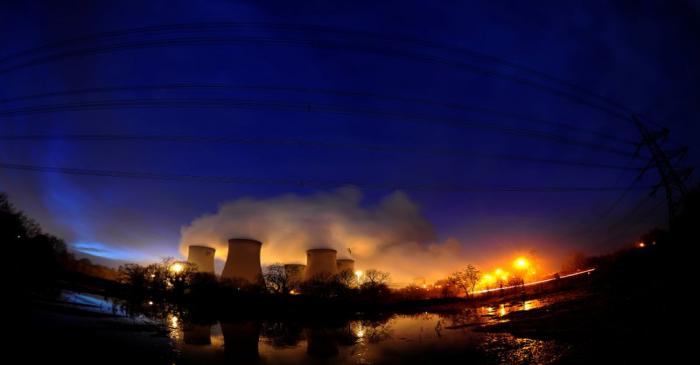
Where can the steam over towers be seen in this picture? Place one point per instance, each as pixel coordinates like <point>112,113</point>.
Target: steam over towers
<point>243,261</point>
<point>202,257</point>
<point>320,263</point>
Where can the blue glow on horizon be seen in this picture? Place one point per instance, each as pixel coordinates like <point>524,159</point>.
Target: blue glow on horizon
<point>111,252</point>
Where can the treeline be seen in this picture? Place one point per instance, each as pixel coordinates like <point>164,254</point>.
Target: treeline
<point>175,283</point>
<point>37,260</point>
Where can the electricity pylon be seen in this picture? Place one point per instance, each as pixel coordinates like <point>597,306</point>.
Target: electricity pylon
<point>671,179</point>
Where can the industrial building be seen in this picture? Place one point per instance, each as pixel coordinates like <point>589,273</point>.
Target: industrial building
<point>202,257</point>
<point>345,265</point>
<point>243,261</point>
<point>320,264</point>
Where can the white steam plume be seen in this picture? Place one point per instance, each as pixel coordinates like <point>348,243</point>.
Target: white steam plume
<point>392,235</point>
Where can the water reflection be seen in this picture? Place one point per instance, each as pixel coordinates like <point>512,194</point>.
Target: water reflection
<point>400,339</point>
<point>394,339</point>
<point>282,334</point>
<point>503,309</point>
<point>197,334</point>
<point>320,342</point>
<point>241,339</point>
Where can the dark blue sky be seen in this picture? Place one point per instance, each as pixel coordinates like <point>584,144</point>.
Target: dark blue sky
<point>643,54</point>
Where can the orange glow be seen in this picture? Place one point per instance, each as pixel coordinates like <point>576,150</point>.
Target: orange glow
<point>358,274</point>
<point>587,272</point>
<point>177,267</point>
<point>641,244</point>
<point>521,263</point>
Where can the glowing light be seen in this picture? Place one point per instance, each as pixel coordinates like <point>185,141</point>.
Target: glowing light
<point>293,292</point>
<point>358,275</point>
<point>150,302</point>
<point>521,263</point>
<point>587,272</point>
<point>641,244</point>
<point>502,310</point>
<point>177,267</point>
<point>174,330</point>
<point>358,329</point>
<point>529,304</point>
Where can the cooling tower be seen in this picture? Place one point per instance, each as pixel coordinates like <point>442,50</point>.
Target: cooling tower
<point>202,257</point>
<point>243,261</point>
<point>346,265</point>
<point>295,273</point>
<point>320,263</point>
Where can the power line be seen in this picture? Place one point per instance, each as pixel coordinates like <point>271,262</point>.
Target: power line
<point>382,51</point>
<point>323,91</point>
<point>257,104</point>
<point>623,229</point>
<point>206,26</point>
<point>302,183</point>
<point>631,213</point>
<point>629,188</point>
<point>289,142</point>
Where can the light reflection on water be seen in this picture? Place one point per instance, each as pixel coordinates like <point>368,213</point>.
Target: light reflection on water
<point>503,309</point>
<point>400,339</point>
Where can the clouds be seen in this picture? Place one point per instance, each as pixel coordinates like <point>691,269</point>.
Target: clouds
<point>392,235</point>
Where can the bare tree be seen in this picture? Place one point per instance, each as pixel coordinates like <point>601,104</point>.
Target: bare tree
<point>376,277</point>
<point>347,278</point>
<point>294,275</point>
<point>277,279</point>
<point>375,283</point>
<point>515,281</point>
<point>466,279</point>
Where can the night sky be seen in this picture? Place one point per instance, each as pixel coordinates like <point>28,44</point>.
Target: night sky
<point>364,97</point>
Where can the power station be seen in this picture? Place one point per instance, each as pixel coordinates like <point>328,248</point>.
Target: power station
<point>320,264</point>
<point>202,257</point>
<point>243,261</point>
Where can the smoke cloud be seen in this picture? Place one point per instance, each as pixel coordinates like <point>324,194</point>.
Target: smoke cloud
<point>392,235</point>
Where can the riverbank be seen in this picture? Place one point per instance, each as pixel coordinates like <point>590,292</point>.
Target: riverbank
<point>624,316</point>
<point>72,332</point>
